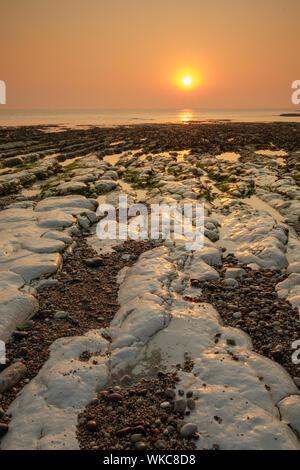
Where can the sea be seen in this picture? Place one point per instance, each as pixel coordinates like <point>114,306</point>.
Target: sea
<point>95,117</point>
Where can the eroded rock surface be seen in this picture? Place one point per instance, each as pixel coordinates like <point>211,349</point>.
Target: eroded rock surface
<point>242,400</point>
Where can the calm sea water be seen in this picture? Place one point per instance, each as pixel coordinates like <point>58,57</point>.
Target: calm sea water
<point>114,117</point>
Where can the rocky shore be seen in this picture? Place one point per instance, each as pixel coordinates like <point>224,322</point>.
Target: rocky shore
<point>114,344</point>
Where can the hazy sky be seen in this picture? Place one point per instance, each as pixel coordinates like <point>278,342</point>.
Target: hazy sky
<point>127,53</point>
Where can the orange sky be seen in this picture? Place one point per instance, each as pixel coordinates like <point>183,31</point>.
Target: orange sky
<point>114,54</point>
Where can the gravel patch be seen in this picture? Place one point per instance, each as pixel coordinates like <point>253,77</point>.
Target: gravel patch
<point>254,306</point>
<point>142,416</point>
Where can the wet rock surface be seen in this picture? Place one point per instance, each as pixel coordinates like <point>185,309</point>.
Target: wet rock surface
<point>93,319</point>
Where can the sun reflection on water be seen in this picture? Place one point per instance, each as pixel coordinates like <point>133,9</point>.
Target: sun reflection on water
<point>185,116</point>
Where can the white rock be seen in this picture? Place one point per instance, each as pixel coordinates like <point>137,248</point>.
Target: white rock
<point>201,271</point>
<point>290,411</point>
<point>45,413</point>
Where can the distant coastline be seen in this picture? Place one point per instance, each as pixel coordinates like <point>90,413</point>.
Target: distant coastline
<point>10,117</point>
<point>290,114</point>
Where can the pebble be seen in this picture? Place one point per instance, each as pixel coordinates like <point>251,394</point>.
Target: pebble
<point>189,394</point>
<point>138,430</point>
<point>11,375</point>
<point>114,397</point>
<point>180,405</point>
<point>160,444</point>
<point>191,404</point>
<point>170,393</point>
<point>123,432</point>
<point>60,315</point>
<point>188,429</point>
<point>231,282</point>
<point>140,446</point>
<point>253,314</point>
<point>136,437</point>
<point>91,425</point>
<point>237,315</point>
<point>277,351</point>
<point>165,404</point>
<point>125,380</point>
<point>20,334</point>
<point>93,262</point>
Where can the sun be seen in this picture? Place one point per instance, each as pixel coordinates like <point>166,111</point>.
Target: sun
<point>187,81</point>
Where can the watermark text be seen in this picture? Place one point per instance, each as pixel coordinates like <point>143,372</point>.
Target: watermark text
<point>2,92</point>
<point>296,93</point>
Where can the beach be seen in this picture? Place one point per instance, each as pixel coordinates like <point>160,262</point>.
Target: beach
<point>141,344</point>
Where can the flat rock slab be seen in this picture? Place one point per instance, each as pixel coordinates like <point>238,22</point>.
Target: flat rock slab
<point>15,308</point>
<point>33,265</point>
<point>45,413</point>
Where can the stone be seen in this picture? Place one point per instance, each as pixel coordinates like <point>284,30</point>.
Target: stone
<point>105,186</point>
<point>115,397</point>
<point>212,235</point>
<point>290,411</point>
<point>91,426</point>
<point>191,404</point>
<point>237,315</point>
<point>15,307</point>
<point>94,262</point>
<point>201,271</point>
<point>231,283</point>
<point>188,429</point>
<point>20,334</point>
<point>11,376</point>
<point>140,446</point>
<point>123,432</point>
<point>60,315</point>
<point>126,379</point>
<point>234,273</point>
<point>164,405</point>
<point>160,444</point>
<point>170,393</point>
<point>293,267</point>
<point>180,405</point>
<point>277,352</point>
<point>136,437</point>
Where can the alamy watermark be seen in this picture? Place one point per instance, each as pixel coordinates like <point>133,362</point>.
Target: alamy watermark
<point>2,92</point>
<point>296,354</point>
<point>2,353</point>
<point>296,93</point>
<point>158,221</point>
